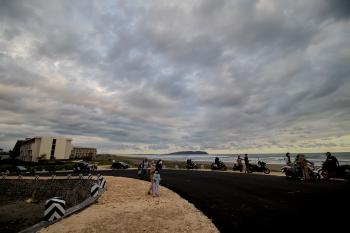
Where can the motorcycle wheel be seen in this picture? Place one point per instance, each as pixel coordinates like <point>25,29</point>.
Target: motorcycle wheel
<point>318,176</point>
<point>326,175</point>
<point>267,171</point>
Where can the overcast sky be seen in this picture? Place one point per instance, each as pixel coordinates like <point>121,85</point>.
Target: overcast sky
<point>159,76</point>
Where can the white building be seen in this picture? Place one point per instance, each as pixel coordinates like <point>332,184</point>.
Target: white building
<point>83,153</point>
<point>33,149</point>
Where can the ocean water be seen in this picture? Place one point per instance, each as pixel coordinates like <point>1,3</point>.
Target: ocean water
<point>317,158</point>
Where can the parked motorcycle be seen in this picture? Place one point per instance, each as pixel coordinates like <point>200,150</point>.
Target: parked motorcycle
<point>295,172</point>
<point>218,166</point>
<point>342,171</point>
<point>191,165</point>
<point>237,167</point>
<point>261,167</point>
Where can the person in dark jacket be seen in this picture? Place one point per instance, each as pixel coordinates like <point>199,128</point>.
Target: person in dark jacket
<point>246,162</point>
<point>331,163</point>
<point>289,162</point>
<point>159,165</point>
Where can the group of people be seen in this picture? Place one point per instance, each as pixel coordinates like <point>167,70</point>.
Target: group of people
<point>246,160</point>
<point>152,170</point>
<point>303,164</point>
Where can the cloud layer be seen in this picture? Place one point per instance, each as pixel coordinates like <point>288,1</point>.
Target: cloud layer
<point>136,76</point>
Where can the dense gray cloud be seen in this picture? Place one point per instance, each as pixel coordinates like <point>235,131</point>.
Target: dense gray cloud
<point>136,76</point>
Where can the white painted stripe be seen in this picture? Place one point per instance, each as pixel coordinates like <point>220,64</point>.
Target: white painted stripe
<point>56,200</point>
<point>53,206</point>
<point>55,214</point>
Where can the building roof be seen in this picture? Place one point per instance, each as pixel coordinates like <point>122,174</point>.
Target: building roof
<point>59,137</point>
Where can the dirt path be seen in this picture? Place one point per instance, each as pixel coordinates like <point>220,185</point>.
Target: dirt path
<point>126,207</point>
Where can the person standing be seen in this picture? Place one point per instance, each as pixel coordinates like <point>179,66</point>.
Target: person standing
<point>303,163</point>
<point>151,171</point>
<point>155,184</point>
<point>288,159</point>
<point>239,163</point>
<point>332,164</point>
<point>246,162</point>
<point>159,165</point>
<point>144,169</point>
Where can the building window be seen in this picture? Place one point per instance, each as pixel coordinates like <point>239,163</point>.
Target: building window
<point>53,147</point>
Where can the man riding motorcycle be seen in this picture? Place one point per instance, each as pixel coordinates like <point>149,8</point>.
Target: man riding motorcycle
<point>218,165</point>
<point>261,167</point>
<point>190,164</point>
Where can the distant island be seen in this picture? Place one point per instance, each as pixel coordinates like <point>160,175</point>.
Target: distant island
<point>188,153</point>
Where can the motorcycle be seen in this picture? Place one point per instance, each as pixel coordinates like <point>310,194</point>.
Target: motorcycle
<point>293,171</point>
<point>191,165</point>
<point>237,167</point>
<point>342,171</point>
<point>261,167</point>
<point>218,166</point>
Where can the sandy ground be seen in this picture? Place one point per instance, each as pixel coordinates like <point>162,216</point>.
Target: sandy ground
<point>126,207</point>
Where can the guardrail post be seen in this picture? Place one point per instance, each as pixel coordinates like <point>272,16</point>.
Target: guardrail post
<point>54,209</point>
<point>94,190</point>
<point>101,182</point>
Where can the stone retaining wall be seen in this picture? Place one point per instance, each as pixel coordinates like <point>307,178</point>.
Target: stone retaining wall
<point>73,191</point>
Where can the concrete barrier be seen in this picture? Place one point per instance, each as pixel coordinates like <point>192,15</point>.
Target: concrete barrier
<point>54,209</point>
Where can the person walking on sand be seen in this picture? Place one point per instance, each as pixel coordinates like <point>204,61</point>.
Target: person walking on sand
<point>155,184</point>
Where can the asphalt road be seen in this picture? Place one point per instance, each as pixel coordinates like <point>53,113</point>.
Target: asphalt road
<point>248,202</point>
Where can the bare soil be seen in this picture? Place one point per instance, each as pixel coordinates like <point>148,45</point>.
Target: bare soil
<point>16,215</point>
<point>126,207</point>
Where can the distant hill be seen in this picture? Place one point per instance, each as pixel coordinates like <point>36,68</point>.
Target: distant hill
<point>188,153</point>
